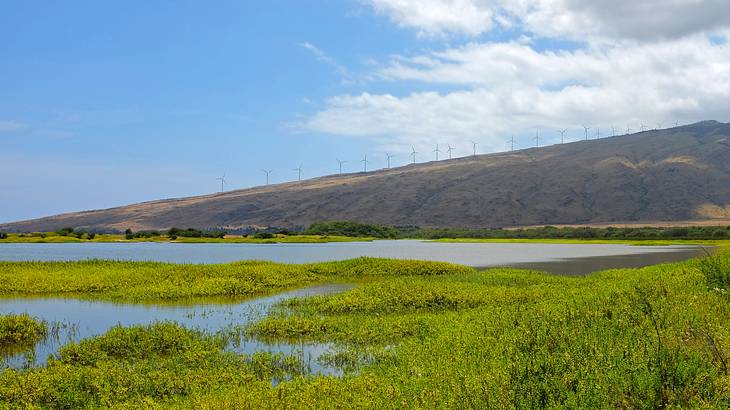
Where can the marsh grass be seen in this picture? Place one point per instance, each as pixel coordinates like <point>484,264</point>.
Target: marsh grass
<point>20,332</point>
<point>411,335</point>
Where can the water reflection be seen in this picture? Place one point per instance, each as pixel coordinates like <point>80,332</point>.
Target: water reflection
<point>71,320</point>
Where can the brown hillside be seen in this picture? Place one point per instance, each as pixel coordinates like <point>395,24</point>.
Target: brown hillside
<point>678,174</point>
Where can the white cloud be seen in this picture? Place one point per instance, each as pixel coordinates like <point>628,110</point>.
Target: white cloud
<point>511,88</point>
<point>437,17</point>
<point>647,61</point>
<point>576,19</point>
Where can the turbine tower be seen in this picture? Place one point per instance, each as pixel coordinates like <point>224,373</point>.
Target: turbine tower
<point>450,150</point>
<point>223,181</point>
<point>512,143</point>
<point>474,145</point>
<point>613,131</point>
<point>628,130</point>
<point>643,127</point>
<point>365,163</point>
<point>267,172</point>
<point>537,137</point>
<point>598,133</point>
<point>299,169</point>
<point>413,153</point>
<point>389,157</point>
<point>341,163</point>
<point>562,136</point>
<point>437,151</point>
<point>586,130</point>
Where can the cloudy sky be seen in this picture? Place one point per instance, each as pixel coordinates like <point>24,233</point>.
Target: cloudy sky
<point>106,103</point>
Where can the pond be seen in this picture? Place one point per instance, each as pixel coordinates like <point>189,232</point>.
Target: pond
<point>74,320</point>
<point>580,258</point>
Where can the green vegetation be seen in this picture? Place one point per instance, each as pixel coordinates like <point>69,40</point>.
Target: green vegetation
<point>150,236</point>
<point>3,235</point>
<point>141,366</point>
<point>352,229</point>
<point>578,233</point>
<point>411,335</point>
<point>18,332</point>
<point>149,281</point>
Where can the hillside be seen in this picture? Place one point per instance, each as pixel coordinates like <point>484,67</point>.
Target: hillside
<point>678,174</point>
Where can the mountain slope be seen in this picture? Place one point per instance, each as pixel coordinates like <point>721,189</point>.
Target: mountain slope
<point>676,174</point>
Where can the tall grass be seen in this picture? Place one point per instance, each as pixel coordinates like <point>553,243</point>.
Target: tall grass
<point>411,335</point>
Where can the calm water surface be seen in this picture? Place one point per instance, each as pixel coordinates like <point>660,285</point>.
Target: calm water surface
<point>582,258</point>
<point>80,319</point>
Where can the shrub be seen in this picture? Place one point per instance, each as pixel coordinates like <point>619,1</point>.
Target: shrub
<point>3,235</point>
<point>65,231</point>
<point>263,235</point>
<point>716,269</point>
<point>90,235</point>
<point>18,330</point>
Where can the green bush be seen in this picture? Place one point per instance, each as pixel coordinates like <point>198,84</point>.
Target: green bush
<point>352,229</point>
<point>65,231</point>
<point>18,330</point>
<point>263,235</point>
<point>3,235</point>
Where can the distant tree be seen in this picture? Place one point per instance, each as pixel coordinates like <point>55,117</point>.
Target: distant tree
<point>263,235</point>
<point>90,235</point>
<point>3,235</point>
<point>128,234</point>
<point>65,231</point>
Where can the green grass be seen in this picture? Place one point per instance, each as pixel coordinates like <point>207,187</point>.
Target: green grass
<point>637,242</point>
<point>411,335</point>
<point>52,237</point>
<point>18,332</point>
<point>153,281</point>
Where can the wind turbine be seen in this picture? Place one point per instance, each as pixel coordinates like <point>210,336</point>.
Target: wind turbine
<point>537,137</point>
<point>413,153</point>
<point>512,143</point>
<point>562,136</point>
<point>474,145</point>
<point>300,171</point>
<point>341,163</point>
<point>628,130</point>
<point>450,150</point>
<point>267,172</point>
<point>613,131</point>
<point>437,151</point>
<point>365,163</point>
<point>598,133</point>
<point>389,157</point>
<point>676,123</point>
<point>586,129</point>
<point>643,127</point>
<point>223,181</point>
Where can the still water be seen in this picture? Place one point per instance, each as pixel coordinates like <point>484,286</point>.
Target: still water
<point>76,319</point>
<point>555,258</point>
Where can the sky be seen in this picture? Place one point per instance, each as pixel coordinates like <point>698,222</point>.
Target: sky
<point>110,103</point>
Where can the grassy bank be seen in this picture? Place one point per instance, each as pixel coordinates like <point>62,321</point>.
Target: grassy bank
<point>635,242</point>
<point>52,237</point>
<point>412,334</point>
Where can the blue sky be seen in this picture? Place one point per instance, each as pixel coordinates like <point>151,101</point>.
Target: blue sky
<point>109,103</point>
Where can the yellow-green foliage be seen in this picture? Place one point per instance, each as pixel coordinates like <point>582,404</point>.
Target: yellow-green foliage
<point>19,331</point>
<point>159,362</point>
<point>150,281</point>
<point>423,335</point>
<point>52,237</point>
